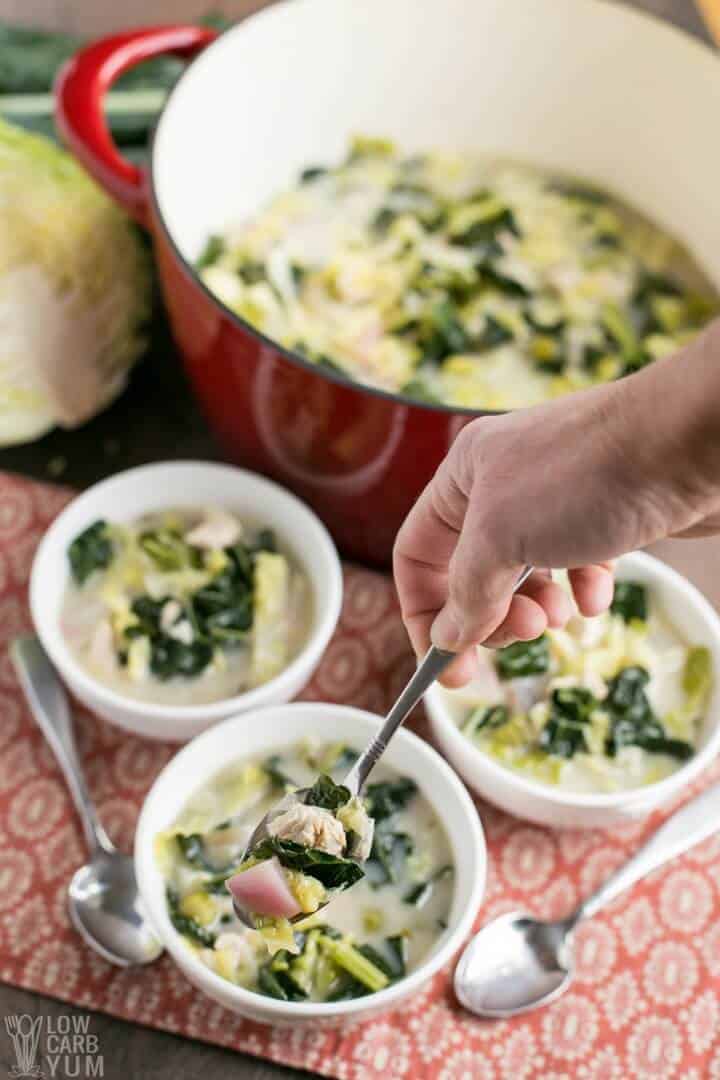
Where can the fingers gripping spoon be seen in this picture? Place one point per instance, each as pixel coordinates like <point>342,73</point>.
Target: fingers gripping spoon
<point>429,669</point>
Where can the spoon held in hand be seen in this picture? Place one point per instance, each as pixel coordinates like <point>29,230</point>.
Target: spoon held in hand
<point>429,669</point>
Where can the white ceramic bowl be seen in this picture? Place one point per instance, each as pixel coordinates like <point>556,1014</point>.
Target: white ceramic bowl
<point>174,485</point>
<point>260,733</point>
<point>697,621</point>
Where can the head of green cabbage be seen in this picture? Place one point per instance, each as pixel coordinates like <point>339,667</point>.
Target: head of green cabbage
<point>75,290</point>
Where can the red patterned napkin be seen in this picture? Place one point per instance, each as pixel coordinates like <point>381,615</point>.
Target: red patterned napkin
<point>645,1003</point>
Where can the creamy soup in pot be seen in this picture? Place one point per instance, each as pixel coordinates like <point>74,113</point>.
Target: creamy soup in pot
<point>373,933</point>
<point>608,703</point>
<point>459,280</point>
<point>184,607</point>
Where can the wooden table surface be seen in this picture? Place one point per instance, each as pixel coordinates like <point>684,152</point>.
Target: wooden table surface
<point>157,419</point>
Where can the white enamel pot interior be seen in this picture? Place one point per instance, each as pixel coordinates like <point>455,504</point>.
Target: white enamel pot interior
<point>583,86</point>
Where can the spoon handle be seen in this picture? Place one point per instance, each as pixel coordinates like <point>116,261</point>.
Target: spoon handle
<point>49,705</point>
<point>695,821</point>
<point>429,669</point>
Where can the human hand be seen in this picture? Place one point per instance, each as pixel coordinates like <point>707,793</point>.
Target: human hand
<point>573,484</point>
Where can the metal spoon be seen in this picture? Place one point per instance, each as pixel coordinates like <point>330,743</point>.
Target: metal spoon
<point>103,898</point>
<point>429,669</point>
<point>517,963</point>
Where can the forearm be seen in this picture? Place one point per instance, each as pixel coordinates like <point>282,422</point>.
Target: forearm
<point>664,424</point>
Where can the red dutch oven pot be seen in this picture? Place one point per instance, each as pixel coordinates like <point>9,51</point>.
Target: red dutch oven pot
<point>572,84</point>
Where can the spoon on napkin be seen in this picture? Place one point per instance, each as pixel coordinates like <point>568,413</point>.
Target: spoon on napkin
<point>517,963</point>
<point>103,898</point>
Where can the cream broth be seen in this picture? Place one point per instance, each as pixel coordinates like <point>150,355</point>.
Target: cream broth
<point>608,703</point>
<point>184,607</point>
<point>370,913</point>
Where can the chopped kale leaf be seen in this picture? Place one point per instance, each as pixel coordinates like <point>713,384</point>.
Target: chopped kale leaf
<point>332,871</point>
<point>629,601</point>
<point>91,550</point>
<point>184,924</point>
<point>388,796</point>
<point>327,794</point>
<point>524,658</point>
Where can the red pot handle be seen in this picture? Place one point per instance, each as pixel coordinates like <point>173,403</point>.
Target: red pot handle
<point>79,90</point>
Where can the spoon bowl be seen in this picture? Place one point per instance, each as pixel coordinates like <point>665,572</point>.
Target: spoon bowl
<point>106,910</point>
<point>514,964</point>
<point>517,963</point>
<point>260,833</point>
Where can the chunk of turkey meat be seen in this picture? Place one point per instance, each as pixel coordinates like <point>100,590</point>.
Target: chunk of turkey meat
<point>218,529</point>
<point>311,826</point>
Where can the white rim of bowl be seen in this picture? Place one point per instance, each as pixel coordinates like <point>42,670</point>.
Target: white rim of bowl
<point>144,865</point>
<point>687,771</point>
<point>63,659</point>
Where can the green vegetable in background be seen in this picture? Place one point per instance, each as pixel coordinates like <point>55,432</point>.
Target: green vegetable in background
<point>388,796</point>
<point>629,601</point>
<point>445,334</point>
<point>419,895</point>
<point>277,776</point>
<point>570,708</point>
<point>30,60</point>
<point>573,704</point>
<point>220,613</point>
<point>547,354</point>
<point>416,388</point>
<point>169,657</point>
<point>572,189</point>
<point>167,549</point>
<point>494,333</point>
<point>697,676</point>
<point>492,716</point>
<point>388,855</point>
<point>524,658</point>
<point>193,850</point>
<point>562,739</point>
<point>633,723</point>
<point>186,925</point>
<point>91,550</point>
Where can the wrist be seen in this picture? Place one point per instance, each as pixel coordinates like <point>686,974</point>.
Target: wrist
<point>667,422</point>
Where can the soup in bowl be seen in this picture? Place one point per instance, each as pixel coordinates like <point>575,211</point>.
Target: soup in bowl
<point>395,898</point>
<point>176,594</point>
<point>598,723</point>
<point>376,942</point>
